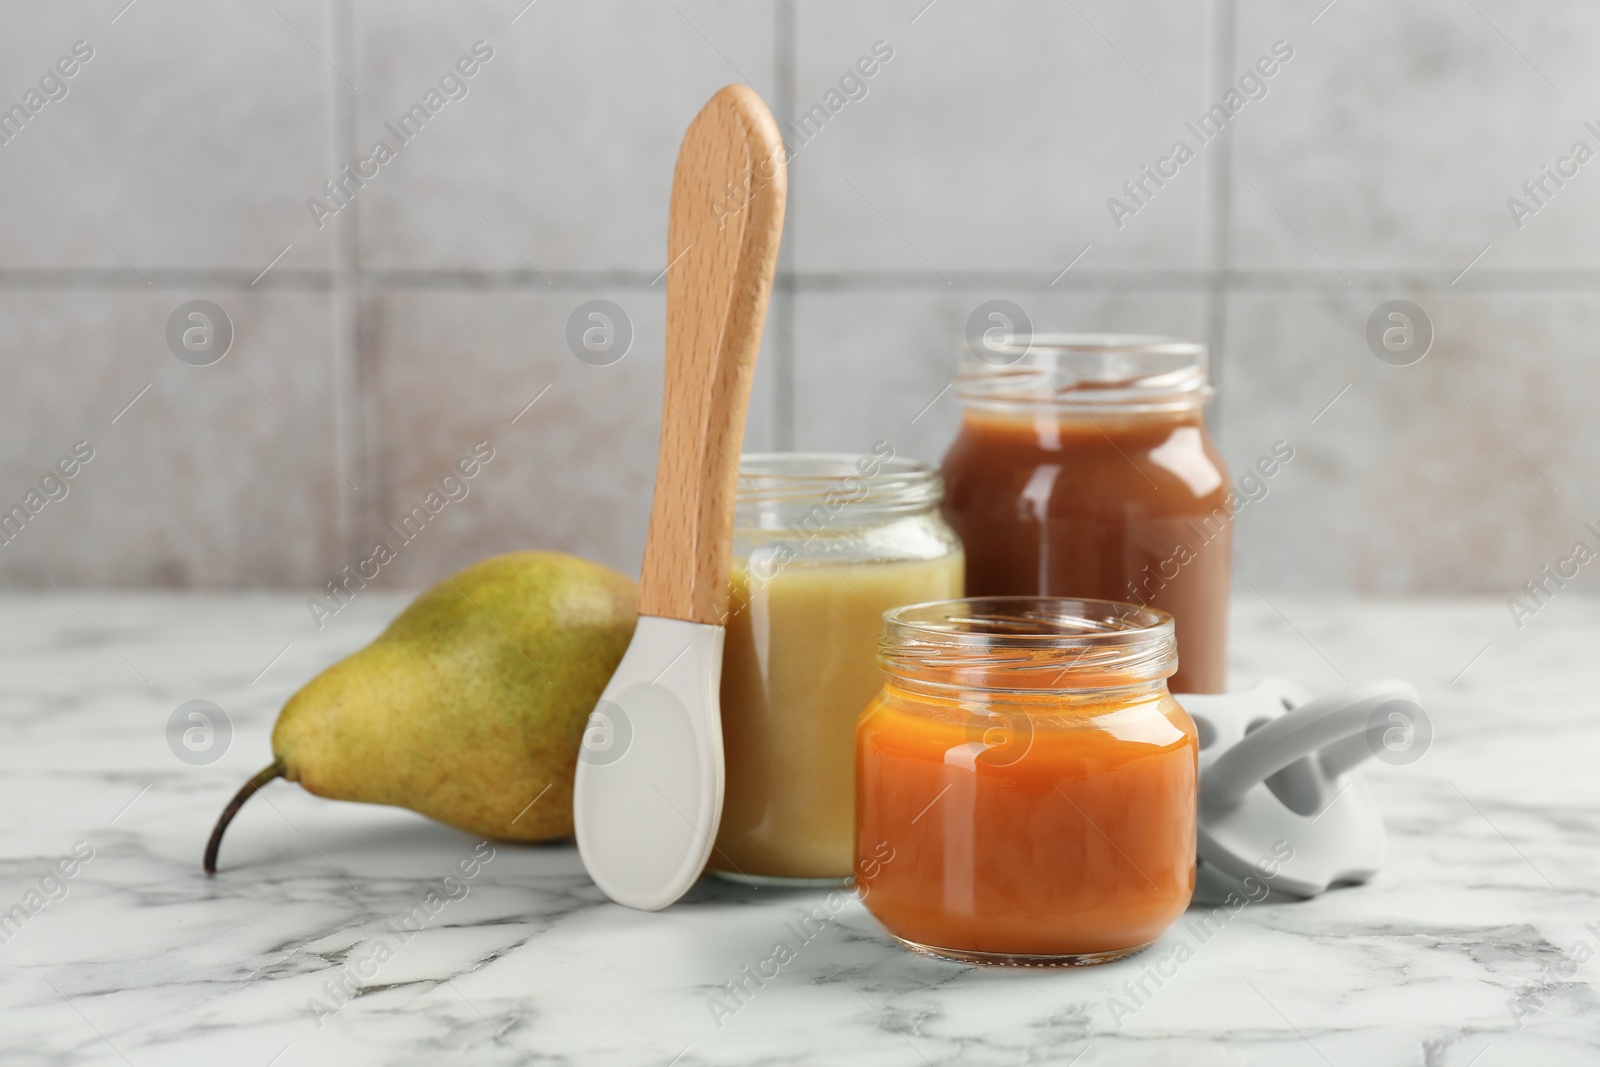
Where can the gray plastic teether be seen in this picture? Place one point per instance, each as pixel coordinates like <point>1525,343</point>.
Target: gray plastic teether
<point>1284,809</point>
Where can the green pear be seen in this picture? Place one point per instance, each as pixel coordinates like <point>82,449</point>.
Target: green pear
<point>470,707</point>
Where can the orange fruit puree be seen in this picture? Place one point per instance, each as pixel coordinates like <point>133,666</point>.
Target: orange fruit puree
<point>1050,823</point>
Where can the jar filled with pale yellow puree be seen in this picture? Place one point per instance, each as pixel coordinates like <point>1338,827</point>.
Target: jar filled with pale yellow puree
<point>824,544</point>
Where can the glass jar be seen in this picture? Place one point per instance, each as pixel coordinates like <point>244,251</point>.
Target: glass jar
<point>1084,468</point>
<point>823,545</point>
<point>1026,785</point>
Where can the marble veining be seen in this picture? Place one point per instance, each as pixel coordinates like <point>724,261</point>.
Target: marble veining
<point>343,934</point>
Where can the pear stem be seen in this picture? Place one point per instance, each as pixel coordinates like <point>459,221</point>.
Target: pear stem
<point>265,775</point>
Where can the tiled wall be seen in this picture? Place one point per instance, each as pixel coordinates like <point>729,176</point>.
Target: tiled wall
<point>372,353</point>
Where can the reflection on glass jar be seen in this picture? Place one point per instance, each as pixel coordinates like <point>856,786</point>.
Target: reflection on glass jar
<point>823,545</point>
<point>1026,785</point>
<point>1084,468</point>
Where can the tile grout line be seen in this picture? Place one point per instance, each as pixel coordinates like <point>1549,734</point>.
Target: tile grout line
<point>349,428</point>
<point>1224,28</point>
<point>1538,280</point>
<point>782,329</point>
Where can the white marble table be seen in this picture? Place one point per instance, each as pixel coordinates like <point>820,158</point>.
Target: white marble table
<point>1471,946</point>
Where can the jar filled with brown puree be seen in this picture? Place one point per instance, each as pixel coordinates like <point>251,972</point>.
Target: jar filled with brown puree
<point>824,544</point>
<point>1084,469</point>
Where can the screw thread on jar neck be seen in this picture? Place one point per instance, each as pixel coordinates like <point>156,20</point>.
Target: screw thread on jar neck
<point>1026,644</point>
<point>788,490</point>
<point>1087,374</point>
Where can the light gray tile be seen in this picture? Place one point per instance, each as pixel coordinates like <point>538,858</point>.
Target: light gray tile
<point>1422,479</point>
<point>574,473</point>
<point>1397,133</point>
<point>562,151</point>
<point>192,138</point>
<point>872,366</point>
<point>215,476</point>
<point>996,134</point>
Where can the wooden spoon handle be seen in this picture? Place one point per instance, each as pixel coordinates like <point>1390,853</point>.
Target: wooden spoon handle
<point>722,247</point>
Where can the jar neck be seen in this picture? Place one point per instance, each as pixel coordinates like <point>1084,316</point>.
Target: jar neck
<point>1027,647</point>
<point>1087,373</point>
<point>1050,418</point>
<point>823,517</point>
<point>1031,700</point>
<point>806,494</point>
<point>1069,407</point>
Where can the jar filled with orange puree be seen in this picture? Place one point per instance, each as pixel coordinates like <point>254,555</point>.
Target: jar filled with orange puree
<point>1084,469</point>
<point>1026,785</point>
<point>823,545</point>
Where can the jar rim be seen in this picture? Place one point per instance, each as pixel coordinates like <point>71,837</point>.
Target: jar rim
<point>781,485</point>
<point>1092,371</point>
<point>1029,643</point>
